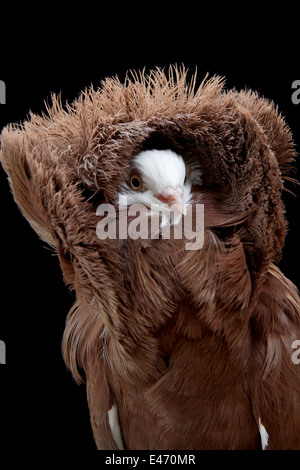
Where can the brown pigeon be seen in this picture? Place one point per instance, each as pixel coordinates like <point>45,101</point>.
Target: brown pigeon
<point>183,344</point>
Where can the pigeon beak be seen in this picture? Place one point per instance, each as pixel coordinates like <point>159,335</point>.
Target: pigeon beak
<point>174,198</point>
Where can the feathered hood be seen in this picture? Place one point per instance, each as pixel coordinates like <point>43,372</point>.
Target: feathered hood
<point>240,139</point>
<point>63,164</point>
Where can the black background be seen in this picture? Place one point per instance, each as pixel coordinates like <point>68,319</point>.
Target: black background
<point>40,403</point>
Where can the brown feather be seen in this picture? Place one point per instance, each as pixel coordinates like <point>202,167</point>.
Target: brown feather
<point>194,347</point>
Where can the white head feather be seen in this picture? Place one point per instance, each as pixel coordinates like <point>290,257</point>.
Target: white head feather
<point>160,170</point>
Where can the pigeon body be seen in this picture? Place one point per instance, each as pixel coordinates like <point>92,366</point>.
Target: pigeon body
<point>180,349</point>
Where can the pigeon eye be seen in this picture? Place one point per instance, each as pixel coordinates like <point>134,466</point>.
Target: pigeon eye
<point>136,181</point>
